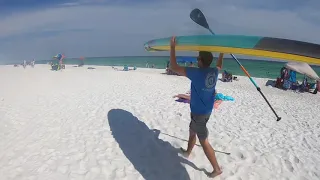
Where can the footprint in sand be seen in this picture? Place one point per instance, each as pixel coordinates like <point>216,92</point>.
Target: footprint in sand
<point>288,165</point>
<point>305,143</point>
<point>78,156</point>
<point>93,173</point>
<point>229,159</point>
<point>239,155</point>
<point>312,173</point>
<point>43,168</point>
<point>294,159</point>
<point>254,159</point>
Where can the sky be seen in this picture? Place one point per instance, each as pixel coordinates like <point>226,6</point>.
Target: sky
<point>95,28</point>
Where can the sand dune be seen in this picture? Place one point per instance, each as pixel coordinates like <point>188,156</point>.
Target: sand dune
<point>106,124</point>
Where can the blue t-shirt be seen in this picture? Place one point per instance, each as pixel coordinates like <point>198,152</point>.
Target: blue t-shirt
<point>203,84</point>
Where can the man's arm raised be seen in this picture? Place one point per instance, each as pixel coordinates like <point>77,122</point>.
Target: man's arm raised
<point>173,60</point>
<point>220,61</point>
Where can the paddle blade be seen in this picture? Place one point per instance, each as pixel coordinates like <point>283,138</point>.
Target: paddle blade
<point>198,17</point>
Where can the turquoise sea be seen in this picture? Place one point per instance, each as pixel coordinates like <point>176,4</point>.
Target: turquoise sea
<point>256,68</point>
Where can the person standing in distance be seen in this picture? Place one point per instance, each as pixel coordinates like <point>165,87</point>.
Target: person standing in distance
<point>203,83</point>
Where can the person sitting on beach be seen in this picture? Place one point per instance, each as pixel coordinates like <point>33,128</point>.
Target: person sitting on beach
<point>227,77</point>
<point>186,98</point>
<point>24,64</point>
<point>305,85</point>
<point>187,95</point>
<point>125,68</point>
<point>182,96</point>
<point>203,83</point>
<point>32,63</point>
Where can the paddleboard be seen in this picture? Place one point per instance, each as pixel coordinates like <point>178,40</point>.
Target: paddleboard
<point>276,48</point>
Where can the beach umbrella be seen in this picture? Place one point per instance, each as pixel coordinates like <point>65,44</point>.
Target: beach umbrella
<point>59,56</point>
<point>303,68</point>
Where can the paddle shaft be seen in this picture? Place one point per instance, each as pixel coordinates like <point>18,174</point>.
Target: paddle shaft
<point>253,82</point>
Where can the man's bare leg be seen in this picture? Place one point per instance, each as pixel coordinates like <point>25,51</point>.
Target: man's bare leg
<point>182,96</point>
<point>191,143</point>
<point>208,150</point>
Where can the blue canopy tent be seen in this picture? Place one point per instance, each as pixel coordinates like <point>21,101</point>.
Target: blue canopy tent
<point>186,59</point>
<point>181,59</point>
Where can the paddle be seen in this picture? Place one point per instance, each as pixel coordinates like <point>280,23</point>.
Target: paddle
<point>198,17</point>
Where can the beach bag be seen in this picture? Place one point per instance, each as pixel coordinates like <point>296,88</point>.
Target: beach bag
<point>293,76</point>
<point>279,83</point>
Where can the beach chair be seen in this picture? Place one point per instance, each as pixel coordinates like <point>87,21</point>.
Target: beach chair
<point>54,67</point>
<point>286,84</point>
<point>279,83</point>
<point>304,86</point>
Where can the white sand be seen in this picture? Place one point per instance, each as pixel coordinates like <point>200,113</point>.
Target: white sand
<point>97,124</point>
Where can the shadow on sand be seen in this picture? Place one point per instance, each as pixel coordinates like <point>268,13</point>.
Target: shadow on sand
<point>152,157</point>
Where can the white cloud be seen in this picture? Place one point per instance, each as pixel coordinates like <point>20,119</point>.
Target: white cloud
<point>121,30</point>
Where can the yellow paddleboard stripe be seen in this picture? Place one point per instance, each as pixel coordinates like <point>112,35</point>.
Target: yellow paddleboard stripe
<point>249,52</point>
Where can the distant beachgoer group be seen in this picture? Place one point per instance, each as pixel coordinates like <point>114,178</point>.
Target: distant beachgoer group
<point>25,63</point>
<point>56,67</point>
<point>228,77</point>
<point>287,80</point>
<point>170,72</point>
<point>148,66</point>
<point>125,68</point>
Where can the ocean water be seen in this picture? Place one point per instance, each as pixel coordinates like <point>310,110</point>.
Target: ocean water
<point>256,68</point>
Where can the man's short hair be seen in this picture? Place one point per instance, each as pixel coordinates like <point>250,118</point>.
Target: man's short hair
<point>206,57</point>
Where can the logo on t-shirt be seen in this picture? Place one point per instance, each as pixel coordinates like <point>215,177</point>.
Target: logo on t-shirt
<point>210,80</point>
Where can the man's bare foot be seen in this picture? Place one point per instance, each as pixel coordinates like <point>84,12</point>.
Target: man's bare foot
<point>214,174</point>
<point>184,152</point>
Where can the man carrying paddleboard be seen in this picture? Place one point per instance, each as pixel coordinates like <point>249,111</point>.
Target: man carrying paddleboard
<point>203,83</point>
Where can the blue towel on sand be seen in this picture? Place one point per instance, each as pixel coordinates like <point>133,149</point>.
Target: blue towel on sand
<point>220,96</point>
